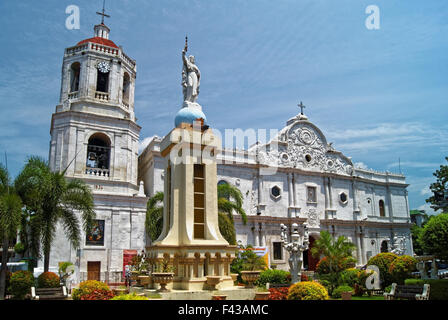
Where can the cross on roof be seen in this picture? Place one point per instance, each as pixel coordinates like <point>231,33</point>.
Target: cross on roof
<point>102,14</point>
<point>301,106</point>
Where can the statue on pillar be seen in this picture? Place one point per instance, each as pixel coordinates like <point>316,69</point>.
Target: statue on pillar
<point>295,248</point>
<point>190,76</point>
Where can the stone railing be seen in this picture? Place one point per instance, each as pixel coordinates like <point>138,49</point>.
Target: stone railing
<point>102,96</point>
<point>101,48</point>
<point>76,49</point>
<point>127,59</point>
<point>98,172</point>
<point>73,95</point>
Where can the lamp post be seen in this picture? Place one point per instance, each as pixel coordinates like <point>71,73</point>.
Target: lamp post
<point>295,248</point>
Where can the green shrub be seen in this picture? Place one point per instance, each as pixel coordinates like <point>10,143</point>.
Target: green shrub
<point>323,266</point>
<point>438,288</point>
<point>48,280</point>
<point>338,291</point>
<point>273,276</point>
<point>308,290</point>
<point>19,248</point>
<point>20,284</point>
<point>401,268</point>
<point>88,287</point>
<point>131,296</point>
<point>349,277</point>
<point>383,262</point>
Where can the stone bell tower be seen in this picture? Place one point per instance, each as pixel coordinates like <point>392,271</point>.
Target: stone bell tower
<point>94,137</point>
<point>190,237</point>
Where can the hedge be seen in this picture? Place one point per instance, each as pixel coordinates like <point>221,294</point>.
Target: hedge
<point>438,288</point>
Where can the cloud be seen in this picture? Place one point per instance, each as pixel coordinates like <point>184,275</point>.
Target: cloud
<point>144,143</point>
<point>361,165</point>
<point>426,191</point>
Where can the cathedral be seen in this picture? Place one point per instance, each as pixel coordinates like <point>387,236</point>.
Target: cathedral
<point>95,137</point>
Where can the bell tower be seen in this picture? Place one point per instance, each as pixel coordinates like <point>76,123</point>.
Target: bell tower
<point>94,137</point>
<point>94,134</point>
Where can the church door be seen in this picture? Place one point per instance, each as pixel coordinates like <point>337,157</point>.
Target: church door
<point>312,262</point>
<point>93,270</point>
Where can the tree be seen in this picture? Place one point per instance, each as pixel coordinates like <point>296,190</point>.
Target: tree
<point>439,201</point>
<point>230,200</point>
<point>154,216</point>
<point>337,251</point>
<point>10,211</point>
<point>52,199</point>
<point>434,238</point>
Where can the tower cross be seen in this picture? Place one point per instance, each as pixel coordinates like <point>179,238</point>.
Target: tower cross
<point>301,106</point>
<point>102,14</point>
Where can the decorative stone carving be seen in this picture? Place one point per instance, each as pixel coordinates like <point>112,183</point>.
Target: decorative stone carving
<point>399,245</point>
<point>191,76</point>
<point>295,248</point>
<point>313,217</point>
<point>302,145</point>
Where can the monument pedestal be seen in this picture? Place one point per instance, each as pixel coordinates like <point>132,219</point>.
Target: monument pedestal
<point>190,242</point>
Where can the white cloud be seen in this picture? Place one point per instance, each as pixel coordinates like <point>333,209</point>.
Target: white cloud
<point>426,191</point>
<point>361,165</point>
<point>144,143</point>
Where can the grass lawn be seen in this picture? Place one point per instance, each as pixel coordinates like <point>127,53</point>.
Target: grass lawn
<point>365,298</point>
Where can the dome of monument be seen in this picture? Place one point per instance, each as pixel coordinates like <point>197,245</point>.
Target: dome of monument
<point>188,115</point>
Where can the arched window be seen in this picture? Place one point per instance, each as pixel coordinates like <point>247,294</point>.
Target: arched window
<point>382,212</point>
<point>102,81</point>
<point>75,70</point>
<point>384,246</point>
<point>98,155</point>
<point>126,87</point>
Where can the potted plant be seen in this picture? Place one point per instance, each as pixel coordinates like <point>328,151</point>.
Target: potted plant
<point>252,265</point>
<point>163,274</point>
<point>213,281</point>
<point>262,294</point>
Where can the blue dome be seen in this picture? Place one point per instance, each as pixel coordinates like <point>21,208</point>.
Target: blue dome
<point>188,115</point>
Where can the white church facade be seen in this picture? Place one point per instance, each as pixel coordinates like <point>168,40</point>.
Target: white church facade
<point>94,136</point>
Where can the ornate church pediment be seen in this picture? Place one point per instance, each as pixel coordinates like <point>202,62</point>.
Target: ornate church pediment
<point>302,145</point>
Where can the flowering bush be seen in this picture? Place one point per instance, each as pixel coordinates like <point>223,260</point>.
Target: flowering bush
<point>21,283</point>
<point>323,266</point>
<point>308,290</point>
<point>86,288</point>
<point>98,294</point>
<point>400,269</point>
<point>48,280</point>
<point>272,276</point>
<point>383,261</point>
<point>338,291</point>
<point>278,293</point>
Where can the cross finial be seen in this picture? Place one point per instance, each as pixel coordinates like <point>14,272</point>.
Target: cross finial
<point>102,14</point>
<point>301,106</point>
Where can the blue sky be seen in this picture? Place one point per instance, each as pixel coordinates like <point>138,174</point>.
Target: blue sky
<point>379,95</point>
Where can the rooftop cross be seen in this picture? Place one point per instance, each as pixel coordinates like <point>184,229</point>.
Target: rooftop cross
<point>301,106</point>
<point>102,13</point>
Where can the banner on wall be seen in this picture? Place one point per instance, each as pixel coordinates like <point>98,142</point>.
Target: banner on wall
<point>127,257</point>
<point>261,252</point>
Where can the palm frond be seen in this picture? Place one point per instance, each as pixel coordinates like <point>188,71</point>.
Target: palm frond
<point>71,226</point>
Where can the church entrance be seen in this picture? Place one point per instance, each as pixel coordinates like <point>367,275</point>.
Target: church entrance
<point>93,270</point>
<point>309,262</point>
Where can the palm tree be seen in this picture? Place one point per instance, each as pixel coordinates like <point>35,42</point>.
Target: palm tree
<point>10,214</point>
<point>230,200</point>
<point>52,199</point>
<point>337,251</point>
<point>154,216</point>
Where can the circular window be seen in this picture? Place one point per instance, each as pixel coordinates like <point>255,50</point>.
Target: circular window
<point>285,157</point>
<point>343,197</point>
<point>368,201</point>
<point>275,192</point>
<point>308,158</point>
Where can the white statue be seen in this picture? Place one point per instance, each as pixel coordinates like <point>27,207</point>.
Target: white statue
<point>190,76</point>
<point>399,245</point>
